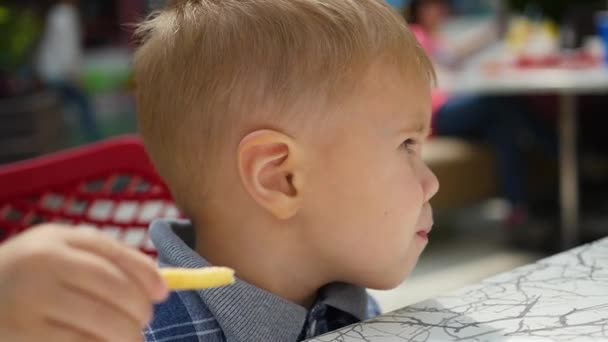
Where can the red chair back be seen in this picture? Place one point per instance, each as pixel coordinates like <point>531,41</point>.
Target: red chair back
<point>110,185</point>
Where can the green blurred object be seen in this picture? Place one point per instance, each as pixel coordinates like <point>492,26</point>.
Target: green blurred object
<point>106,70</point>
<point>99,81</point>
<point>20,31</point>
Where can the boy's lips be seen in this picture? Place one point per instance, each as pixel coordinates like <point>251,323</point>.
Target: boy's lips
<point>424,232</point>
<point>425,222</point>
<point>425,228</point>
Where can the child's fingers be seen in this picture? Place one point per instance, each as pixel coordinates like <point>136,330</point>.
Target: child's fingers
<point>80,312</point>
<point>56,332</point>
<point>133,263</point>
<point>103,280</point>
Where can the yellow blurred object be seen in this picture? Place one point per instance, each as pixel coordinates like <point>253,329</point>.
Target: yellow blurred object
<point>518,33</point>
<point>197,278</point>
<point>526,37</point>
<point>551,29</point>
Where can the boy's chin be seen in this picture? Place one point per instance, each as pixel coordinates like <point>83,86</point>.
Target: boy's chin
<point>387,281</point>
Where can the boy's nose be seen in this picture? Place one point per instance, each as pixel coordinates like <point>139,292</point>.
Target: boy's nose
<point>430,183</point>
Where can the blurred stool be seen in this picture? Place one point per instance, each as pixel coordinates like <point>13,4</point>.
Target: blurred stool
<point>467,172</point>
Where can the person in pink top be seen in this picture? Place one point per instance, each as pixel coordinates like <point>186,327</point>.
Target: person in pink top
<point>499,121</point>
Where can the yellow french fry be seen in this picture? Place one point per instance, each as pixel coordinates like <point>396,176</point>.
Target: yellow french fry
<point>197,278</point>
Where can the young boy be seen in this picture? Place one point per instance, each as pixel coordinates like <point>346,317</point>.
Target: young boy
<point>290,132</point>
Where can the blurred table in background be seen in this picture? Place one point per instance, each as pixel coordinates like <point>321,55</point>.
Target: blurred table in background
<point>560,298</point>
<point>487,78</point>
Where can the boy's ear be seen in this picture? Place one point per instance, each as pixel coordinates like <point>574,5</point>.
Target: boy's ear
<point>269,167</point>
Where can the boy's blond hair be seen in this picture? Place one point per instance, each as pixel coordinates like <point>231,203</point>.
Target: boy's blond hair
<point>206,65</point>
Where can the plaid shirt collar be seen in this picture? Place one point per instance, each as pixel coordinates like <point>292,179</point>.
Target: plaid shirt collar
<point>247,313</point>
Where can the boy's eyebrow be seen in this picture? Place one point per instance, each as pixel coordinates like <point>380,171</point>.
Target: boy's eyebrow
<point>417,127</point>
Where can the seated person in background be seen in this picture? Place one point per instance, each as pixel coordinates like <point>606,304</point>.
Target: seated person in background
<point>290,132</point>
<point>499,121</point>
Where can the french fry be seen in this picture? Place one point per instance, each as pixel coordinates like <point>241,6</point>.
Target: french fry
<point>182,279</point>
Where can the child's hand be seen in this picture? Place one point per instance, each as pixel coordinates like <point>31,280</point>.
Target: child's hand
<point>62,284</point>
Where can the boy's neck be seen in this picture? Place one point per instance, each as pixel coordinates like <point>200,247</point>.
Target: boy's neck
<point>264,257</point>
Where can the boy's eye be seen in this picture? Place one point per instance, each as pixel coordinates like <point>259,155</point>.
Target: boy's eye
<point>409,145</point>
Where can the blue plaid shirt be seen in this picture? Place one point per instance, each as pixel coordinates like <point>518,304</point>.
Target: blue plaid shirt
<point>174,322</point>
<point>242,312</point>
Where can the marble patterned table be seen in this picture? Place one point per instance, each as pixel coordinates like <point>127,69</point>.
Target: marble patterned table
<point>560,298</point>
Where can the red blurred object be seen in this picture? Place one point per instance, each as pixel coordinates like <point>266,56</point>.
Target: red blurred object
<point>110,185</point>
<point>577,60</point>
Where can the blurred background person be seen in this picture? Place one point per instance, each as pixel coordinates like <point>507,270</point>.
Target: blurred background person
<point>497,120</point>
<point>427,19</point>
<point>59,60</point>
